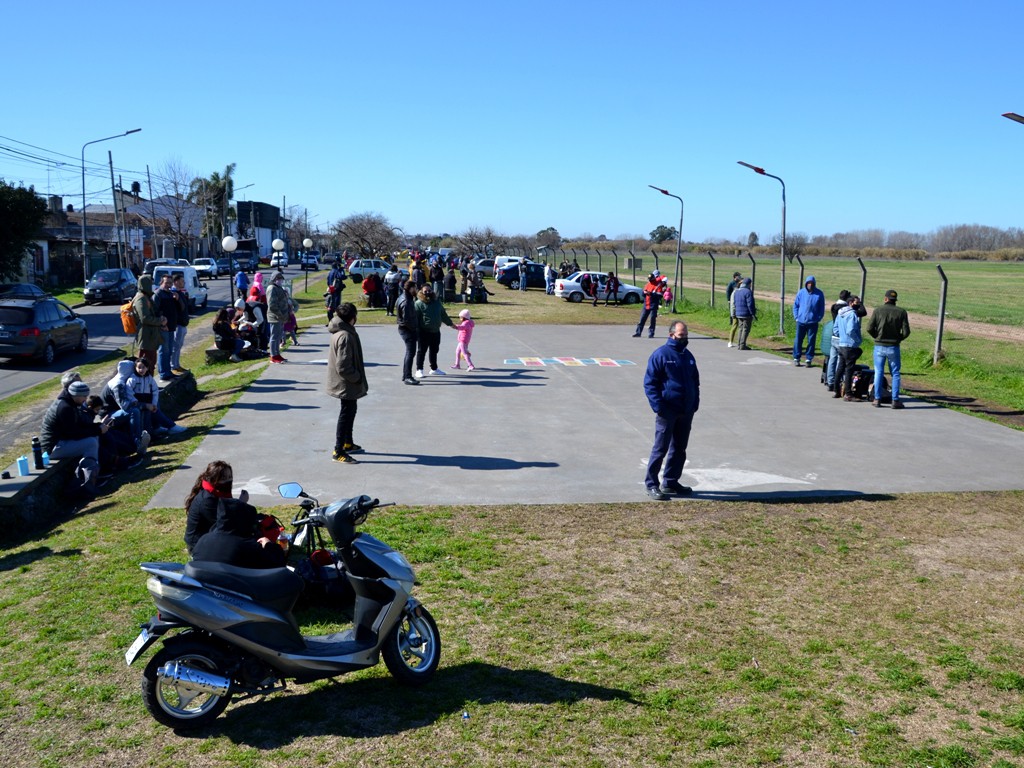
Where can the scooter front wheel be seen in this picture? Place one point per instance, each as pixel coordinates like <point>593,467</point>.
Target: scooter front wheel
<point>179,705</point>
<point>412,649</point>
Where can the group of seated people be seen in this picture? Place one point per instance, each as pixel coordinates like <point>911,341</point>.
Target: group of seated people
<point>111,431</point>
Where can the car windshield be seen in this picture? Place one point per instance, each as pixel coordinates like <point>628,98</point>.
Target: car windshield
<point>107,276</point>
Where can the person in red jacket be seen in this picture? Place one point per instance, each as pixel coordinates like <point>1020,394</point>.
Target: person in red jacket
<point>653,293</point>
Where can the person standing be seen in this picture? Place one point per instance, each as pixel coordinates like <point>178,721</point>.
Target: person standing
<point>653,292</point>
<point>808,309</point>
<point>408,329</point>
<point>431,315</point>
<point>392,284</point>
<point>437,278</point>
<point>151,323</point>
<point>241,283</point>
<point>465,329</point>
<point>335,285</point>
<point>549,279</point>
<point>672,386</point>
<point>745,311</point>
<point>167,305</point>
<point>847,345</point>
<point>346,379</point>
<point>181,294</point>
<point>729,290</point>
<point>522,274</point>
<point>611,288</point>
<point>888,326</point>
<point>279,307</point>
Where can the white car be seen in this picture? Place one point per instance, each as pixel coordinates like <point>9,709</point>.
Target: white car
<point>205,268</point>
<point>570,289</point>
<point>279,260</point>
<point>360,268</point>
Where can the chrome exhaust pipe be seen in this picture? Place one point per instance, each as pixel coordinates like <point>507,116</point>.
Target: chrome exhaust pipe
<point>194,679</point>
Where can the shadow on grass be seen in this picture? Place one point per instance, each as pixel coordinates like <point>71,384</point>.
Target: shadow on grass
<point>21,559</point>
<point>376,707</point>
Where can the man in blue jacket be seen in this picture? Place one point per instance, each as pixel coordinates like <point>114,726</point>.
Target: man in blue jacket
<point>672,385</point>
<point>808,309</point>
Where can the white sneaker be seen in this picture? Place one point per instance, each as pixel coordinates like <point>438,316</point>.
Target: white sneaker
<point>730,344</point>
<point>437,372</point>
<point>177,429</point>
<point>143,443</point>
<point>419,374</point>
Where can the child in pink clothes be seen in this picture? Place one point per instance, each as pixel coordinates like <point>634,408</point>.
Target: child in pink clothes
<point>465,329</point>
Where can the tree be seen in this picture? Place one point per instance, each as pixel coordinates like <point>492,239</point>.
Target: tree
<point>796,242</point>
<point>476,241</point>
<point>549,237</point>
<point>661,234</point>
<point>22,214</point>
<point>752,240</point>
<point>183,218</point>
<point>369,233</point>
<point>214,194</point>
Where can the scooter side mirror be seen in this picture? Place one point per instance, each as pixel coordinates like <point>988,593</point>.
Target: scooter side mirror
<point>290,490</point>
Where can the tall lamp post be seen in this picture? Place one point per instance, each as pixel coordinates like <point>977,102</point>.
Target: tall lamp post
<point>229,245</point>
<point>679,243</point>
<point>782,252</point>
<point>85,260</point>
<point>307,243</point>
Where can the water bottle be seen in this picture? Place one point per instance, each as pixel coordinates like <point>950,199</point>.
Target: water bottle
<point>46,458</point>
<point>37,453</point>
<point>23,466</point>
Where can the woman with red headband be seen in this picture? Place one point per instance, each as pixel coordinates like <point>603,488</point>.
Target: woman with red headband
<point>213,488</point>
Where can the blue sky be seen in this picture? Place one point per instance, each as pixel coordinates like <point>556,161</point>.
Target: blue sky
<point>525,115</point>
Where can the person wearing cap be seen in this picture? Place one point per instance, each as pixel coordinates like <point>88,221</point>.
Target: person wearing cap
<point>808,309</point>
<point>745,311</point>
<point>888,326</point>
<point>346,379</point>
<point>730,289</point>
<point>465,329</point>
<point>279,306</point>
<point>151,322</point>
<point>653,293</point>
<point>67,432</point>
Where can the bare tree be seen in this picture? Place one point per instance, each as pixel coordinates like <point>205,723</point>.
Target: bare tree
<point>369,233</point>
<point>475,240</point>
<point>182,219</point>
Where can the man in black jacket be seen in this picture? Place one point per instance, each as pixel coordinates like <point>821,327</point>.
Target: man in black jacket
<point>166,303</point>
<point>68,432</point>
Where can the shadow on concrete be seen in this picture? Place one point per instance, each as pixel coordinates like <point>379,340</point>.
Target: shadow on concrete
<point>459,462</point>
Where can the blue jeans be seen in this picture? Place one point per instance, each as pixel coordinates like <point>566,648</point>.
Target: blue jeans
<point>179,341</point>
<point>892,354</point>
<point>671,435</point>
<point>134,417</point>
<point>810,331</point>
<point>833,362</point>
<point>276,337</point>
<point>154,420</point>
<point>653,314</point>
<point>163,359</point>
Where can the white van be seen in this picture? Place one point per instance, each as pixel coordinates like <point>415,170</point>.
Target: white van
<point>197,293</point>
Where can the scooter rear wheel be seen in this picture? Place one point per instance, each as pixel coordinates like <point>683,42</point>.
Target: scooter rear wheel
<point>175,705</point>
<point>412,649</point>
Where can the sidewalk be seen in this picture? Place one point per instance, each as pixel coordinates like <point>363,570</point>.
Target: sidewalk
<point>564,432</point>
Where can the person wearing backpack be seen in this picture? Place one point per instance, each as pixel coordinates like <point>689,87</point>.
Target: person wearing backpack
<point>150,323</point>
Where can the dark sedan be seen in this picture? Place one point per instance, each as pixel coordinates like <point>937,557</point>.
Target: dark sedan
<point>40,328</point>
<point>110,285</point>
<point>509,276</point>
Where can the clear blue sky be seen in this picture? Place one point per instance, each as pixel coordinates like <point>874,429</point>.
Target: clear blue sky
<point>524,115</point>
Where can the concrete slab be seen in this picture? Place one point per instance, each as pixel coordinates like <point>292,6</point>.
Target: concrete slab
<point>561,432</point>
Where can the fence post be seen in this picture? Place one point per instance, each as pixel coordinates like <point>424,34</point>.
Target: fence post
<point>863,279</point>
<point>797,257</point>
<point>586,259</point>
<point>942,315</point>
<point>753,269</point>
<point>712,257</point>
<point>632,263</point>
<point>616,256</point>
<point>598,252</point>
<point>656,265</point>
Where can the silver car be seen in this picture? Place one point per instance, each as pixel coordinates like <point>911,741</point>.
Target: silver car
<point>570,289</point>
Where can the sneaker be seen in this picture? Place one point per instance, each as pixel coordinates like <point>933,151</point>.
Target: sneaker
<point>177,429</point>
<point>730,345</point>
<point>456,368</point>
<point>810,364</point>
<point>143,443</point>
<point>897,405</point>
<point>410,381</point>
<point>235,359</point>
<point>436,372</point>
<point>876,403</point>
<point>471,368</point>
<point>745,347</point>
<point>168,377</point>
<point>353,448</point>
<point>848,398</point>
<point>837,394</point>
<point>636,335</point>
<point>343,458</point>
<point>675,488</point>
<point>180,371</point>
<point>656,494</point>
<point>419,374</point>
<point>797,363</point>
<point>136,462</point>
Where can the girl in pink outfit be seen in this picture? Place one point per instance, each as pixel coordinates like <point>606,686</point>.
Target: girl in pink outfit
<point>465,329</point>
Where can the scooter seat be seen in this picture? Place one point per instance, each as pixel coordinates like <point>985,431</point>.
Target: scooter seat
<point>277,588</point>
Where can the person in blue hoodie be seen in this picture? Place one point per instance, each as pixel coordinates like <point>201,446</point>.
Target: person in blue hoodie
<point>672,386</point>
<point>808,309</point>
<point>848,347</point>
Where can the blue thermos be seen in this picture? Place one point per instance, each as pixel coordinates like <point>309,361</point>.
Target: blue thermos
<point>23,466</point>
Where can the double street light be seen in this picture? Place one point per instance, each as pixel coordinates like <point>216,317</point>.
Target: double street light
<point>678,292</point>
<point>85,258</point>
<point>782,253</point>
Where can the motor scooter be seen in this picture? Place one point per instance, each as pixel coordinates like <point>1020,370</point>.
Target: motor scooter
<point>229,631</point>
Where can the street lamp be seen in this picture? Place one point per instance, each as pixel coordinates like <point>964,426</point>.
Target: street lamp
<point>307,243</point>
<point>679,243</point>
<point>85,260</point>
<point>229,245</point>
<point>1014,116</point>
<point>782,252</point>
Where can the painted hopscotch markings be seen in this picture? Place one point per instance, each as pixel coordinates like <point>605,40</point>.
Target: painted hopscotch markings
<point>540,362</point>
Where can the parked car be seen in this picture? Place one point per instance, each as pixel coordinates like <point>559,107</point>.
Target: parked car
<point>206,267</point>
<point>197,293</point>
<point>360,268</point>
<point>149,266</point>
<point>502,261</point>
<point>279,260</point>
<point>570,289</point>
<point>21,291</point>
<point>509,275</point>
<point>309,261</point>
<point>39,328</point>
<point>484,265</point>
<point>114,285</point>
<point>227,266</point>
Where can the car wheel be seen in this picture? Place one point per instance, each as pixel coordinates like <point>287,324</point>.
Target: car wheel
<point>49,353</point>
<point>83,342</point>
<point>514,285</point>
<point>631,298</point>
<point>576,297</point>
